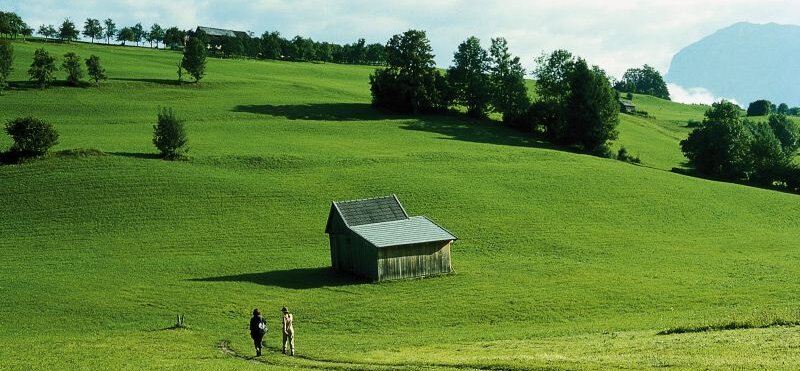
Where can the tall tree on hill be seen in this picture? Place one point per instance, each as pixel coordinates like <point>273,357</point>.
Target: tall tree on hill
<point>761,107</point>
<point>48,31</point>
<point>67,31</point>
<point>719,147</point>
<point>645,80</point>
<point>95,70</point>
<point>173,37</point>
<point>110,29</point>
<point>11,24</point>
<point>552,74</point>
<point>592,110</point>
<point>509,95</point>
<point>410,83</point>
<point>43,68</point>
<point>6,62</point>
<point>194,58</point>
<point>72,65</point>
<point>156,34</point>
<point>125,34</point>
<point>138,33</point>
<point>468,77</point>
<point>92,29</point>
<point>271,45</point>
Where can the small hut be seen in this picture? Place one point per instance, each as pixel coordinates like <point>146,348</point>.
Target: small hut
<point>626,106</point>
<point>376,239</point>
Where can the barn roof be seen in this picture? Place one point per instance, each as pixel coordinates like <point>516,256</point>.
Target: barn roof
<point>418,229</point>
<point>373,210</point>
<point>626,103</point>
<point>211,31</point>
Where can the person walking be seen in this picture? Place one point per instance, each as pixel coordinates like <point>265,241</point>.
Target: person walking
<point>258,328</point>
<point>288,330</point>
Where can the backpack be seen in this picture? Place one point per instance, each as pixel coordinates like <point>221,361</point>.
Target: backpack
<point>262,326</point>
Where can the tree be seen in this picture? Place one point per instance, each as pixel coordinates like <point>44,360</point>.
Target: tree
<point>788,134</point>
<point>48,31</point>
<point>72,64</point>
<point>783,109</point>
<point>169,135</point>
<point>92,29</point>
<point>645,80</point>
<point>592,111</point>
<point>410,83</point>
<point>111,30</point>
<point>766,156</point>
<point>509,95</point>
<point>156,34</point>
<point>760,107</point>
<point>43,68</point>
<point>173,37</point>
<point>12,25</point>
<point>232,46</point>
<point>32,136</point>
<point>96,71</point>
<point>125,34</point>
<point>552,74</point>
<point>720,146</point>
<point>138,33</point>
<point>67,31</point>
<point>6,62</point>
<point>194,58</point>
<point>469,77</point>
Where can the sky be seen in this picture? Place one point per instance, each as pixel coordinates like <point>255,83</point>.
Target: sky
<point>614,34</point>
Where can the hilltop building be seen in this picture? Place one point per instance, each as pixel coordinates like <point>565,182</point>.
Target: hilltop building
<point>626,106</point>
<point>376,239</point>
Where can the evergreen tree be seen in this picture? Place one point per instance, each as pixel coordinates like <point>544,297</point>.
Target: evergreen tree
<point>194,58</point>
<point>469,77</point>
<point>509,95</point>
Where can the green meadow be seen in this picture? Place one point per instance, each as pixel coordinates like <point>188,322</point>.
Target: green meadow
<point>565,261</point>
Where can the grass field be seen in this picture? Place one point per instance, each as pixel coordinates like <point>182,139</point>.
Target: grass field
<point>565,261</point>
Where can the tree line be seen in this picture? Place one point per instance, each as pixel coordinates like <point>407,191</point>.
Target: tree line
<point>576,105</point>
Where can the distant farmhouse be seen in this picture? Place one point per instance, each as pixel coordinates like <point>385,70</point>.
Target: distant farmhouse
<point>626,106</point>
<point>376,239</point>
<point>216,36</point>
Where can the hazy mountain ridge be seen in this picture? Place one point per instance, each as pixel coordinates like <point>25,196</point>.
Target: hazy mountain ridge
<point>745,62</point>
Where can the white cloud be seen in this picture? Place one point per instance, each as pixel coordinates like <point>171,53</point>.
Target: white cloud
<point>695,95</point>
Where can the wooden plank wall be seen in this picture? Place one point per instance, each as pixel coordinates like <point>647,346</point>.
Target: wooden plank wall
<point>414,261</point>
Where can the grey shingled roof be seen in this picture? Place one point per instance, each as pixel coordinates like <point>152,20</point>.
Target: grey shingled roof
<point>418,229</point>
<point>374,210</point>
<point>211,31</point>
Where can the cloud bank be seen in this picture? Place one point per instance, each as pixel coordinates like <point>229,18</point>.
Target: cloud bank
<point>695,95</point>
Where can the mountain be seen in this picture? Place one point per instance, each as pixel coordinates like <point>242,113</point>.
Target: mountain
<point>745,62</point>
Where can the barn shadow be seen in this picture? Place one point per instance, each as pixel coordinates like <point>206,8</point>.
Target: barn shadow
<point>297,279</point>
<point>320,111</point>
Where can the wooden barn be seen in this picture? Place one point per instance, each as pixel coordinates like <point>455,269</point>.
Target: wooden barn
<point>626,106</point>
<point>376,239</point>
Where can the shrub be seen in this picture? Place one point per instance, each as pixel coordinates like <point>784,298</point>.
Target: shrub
<point>760,107</point>
<point>32,136</point>
<point>96,71</point>
<point>624,155</point>
<point>72,65</point>
<point>43,68</point>
<point>169,135</point>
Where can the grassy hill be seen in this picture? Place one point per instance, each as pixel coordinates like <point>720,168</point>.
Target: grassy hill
<point>565,261</point>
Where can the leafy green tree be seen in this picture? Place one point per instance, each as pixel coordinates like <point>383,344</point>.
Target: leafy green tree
<point>6,62</point>
<point>509,95</point>
<point>194,58</point>
<point>67,31</point>
<point>469,77</point>
<point>43,68</point>
<point>125,34</point>
<point>720,146</point>
<point>156,34</point>
<point>110,29</point>
<point>48,31</point>
<point>592,111</point>
<point>95,70</point>
<point>271,45</point>
<point>138,33</point>
<point>783,109</point>
<point>173,37</point>
<point>761,107</point>
<point>232,46</point>
<point>552,73</point>
<point>72,65</point>
<point>766,156</point>
<point>410,83</point>
<point>32,136</point>
<point>645,80</point>
<point>12,25</point>
<point>92,29</point>
<point>169,135</point>
<point>788,134</point>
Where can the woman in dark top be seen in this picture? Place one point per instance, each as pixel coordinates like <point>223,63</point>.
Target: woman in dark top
<point>258,327</point>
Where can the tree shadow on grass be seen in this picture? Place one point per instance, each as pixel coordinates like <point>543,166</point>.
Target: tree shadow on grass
<point>149,81</point>
<point>143,156</point>
<point>297,279</point>
<point>320,111</point>
<point>32,85</point>
<point>455,126</point>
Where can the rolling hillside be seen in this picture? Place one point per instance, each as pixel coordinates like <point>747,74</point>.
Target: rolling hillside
<point>565,261</point>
